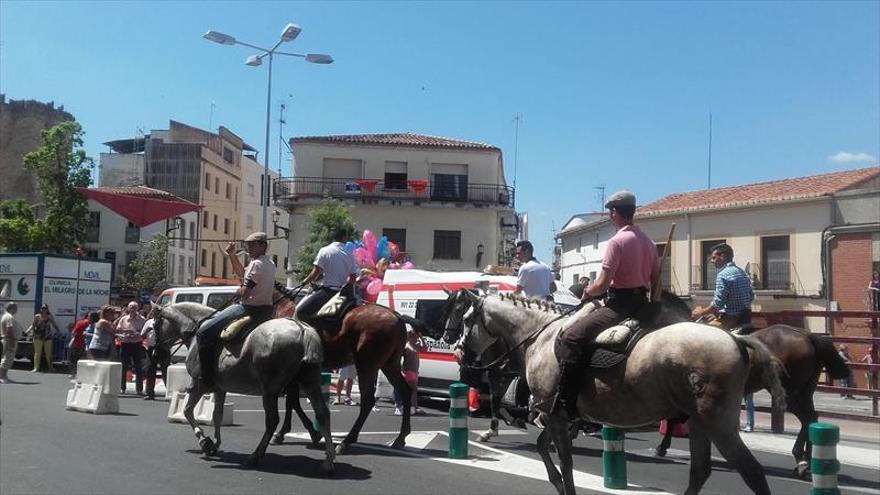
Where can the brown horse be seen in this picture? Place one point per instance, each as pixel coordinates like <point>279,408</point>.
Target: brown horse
<point>373,338</point>
<point>803,355</point>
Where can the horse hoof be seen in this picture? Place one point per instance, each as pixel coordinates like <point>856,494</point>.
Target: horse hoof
<point>327,467</point>
<point>660,452</point>
<point>487,435</point>
<point>316,439</point>
<point>341,448</point>
<point>277,439</point>
<point>207,446</point>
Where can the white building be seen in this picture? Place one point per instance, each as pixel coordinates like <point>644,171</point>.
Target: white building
<point>252,213</point>
<point>445,202</point>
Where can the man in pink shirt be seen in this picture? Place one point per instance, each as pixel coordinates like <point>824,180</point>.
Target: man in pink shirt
<point>630,270</point>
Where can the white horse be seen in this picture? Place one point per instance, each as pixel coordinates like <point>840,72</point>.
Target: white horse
<point>278,355</point>
<point>684,368</point>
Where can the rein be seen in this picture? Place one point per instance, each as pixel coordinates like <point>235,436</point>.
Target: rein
<point>531,336</point>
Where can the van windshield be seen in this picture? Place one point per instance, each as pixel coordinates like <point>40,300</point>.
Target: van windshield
<point>217,300</point>
<point>164,300</point>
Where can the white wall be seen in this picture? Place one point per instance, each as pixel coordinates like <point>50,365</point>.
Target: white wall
<point>582,252</point>
<point>121,169</point>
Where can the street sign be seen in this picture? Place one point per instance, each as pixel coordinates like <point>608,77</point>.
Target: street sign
<point>145,296</point>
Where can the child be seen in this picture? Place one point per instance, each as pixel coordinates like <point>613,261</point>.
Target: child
<point>346,381</point>
<point>410,368</point>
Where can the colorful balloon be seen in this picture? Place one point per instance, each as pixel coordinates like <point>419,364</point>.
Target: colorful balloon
<point>409,265</point>
<point>394,251</point>
<point>374,287</point>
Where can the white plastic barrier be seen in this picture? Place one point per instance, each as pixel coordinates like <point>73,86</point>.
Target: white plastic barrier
<point>97,387</point>
<point>178,380</point>
<point>204,410</point>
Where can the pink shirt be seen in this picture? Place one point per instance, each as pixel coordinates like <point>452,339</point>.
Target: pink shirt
<point>630,258</point>
<point>260,271</point>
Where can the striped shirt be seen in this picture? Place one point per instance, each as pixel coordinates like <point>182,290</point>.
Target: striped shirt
<point>733,290</point>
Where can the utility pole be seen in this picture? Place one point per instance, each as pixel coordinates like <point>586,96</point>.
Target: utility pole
<point>709,183</point>
<point>517,119</point>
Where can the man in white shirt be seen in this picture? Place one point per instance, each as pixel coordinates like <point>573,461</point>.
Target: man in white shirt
<point>534,278</point>
<point>338,269</point>
<point>10,332</point>
<point>255,294</point>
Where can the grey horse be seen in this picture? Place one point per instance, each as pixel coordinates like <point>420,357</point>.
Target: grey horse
<point>684,368</point>
<point>279,355</point>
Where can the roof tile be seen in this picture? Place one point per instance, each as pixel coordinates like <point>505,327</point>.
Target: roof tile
<point>397,139</point>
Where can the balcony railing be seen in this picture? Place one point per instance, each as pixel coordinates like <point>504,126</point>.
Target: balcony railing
<point>296,188</point>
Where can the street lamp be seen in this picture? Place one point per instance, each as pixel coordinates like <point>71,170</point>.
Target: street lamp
<point>289,33</point>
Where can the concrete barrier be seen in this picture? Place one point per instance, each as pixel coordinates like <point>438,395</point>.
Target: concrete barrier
<point>97,387</point>
<point>203,412</point>
<point>178,380</point>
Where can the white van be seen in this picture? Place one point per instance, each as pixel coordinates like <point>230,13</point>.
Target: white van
<point>213,296</point>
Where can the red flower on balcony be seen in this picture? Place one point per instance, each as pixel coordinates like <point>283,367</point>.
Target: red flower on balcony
<point>417,185</point>
<point>367,184</point>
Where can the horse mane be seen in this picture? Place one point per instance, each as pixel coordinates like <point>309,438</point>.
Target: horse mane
<point>186,313</point>
<point>525,302</point>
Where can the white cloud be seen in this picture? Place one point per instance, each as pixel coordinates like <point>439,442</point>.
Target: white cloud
<point>847,157</point>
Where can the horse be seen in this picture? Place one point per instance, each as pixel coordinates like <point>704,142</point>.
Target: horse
<point>278,355</point>
<point>682,368</point>
<point>371,336</point>
<point>803,356</point>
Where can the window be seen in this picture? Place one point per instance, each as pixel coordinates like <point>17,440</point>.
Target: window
<point>192,235</point>
<point>580,243</point>
<point>286,259</point>
<point>93,231</point>
<point>224,267</point>
<point>91,253</point>
<point>207,181</point>
<point>596,242</point>
<point>181,264</point>
<point>216,185</point>
<point>228,191</point>
<point>708,270</point>
<point>397,236</point>
<point>130,256</point>
<point>275,259</point>
<point>205,219</point>
<point>225,225</point>
<point>213,263</point>
<point>447,244</point>
<point>430,312</point>
<point>182,234</point>
<point>228,155</point>
<point>574,279</point>
<point>218,299</point>
<point>132,234</point>
<point>215,221</point>
<point>204,258</point>
<point>250,190</point>
<point>449,187</point>
<point>196,298</point>
<point>775,263</point>
<point>189,270</point>
<point>395,175</point>
<point>666,274</point>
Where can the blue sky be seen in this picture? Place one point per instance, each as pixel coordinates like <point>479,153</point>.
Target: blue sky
<point>613,94</point>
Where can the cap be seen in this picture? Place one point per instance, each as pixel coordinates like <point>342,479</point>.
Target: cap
<point>256,237</point>
<point>621,198</point>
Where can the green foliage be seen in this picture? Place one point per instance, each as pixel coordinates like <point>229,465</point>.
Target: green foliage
<point>147,271</point>
<point>60,166</point>
<point>331,215</point>
<point>19,229</point>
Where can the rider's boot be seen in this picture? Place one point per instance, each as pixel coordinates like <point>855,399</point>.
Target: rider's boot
<point>207,362</point>
<point>570,380</point>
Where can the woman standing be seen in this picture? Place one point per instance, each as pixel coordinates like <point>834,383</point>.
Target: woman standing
<point>105,332</point>
<point>43,330</point>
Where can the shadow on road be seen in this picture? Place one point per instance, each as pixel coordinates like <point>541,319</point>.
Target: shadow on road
<point>297,465</point>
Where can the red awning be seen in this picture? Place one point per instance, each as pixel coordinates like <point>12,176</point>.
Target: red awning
<point>140,209</point>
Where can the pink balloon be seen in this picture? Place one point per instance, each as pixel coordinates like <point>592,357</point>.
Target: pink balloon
<point>370,243</point>
<point>362,258</point>
<point>374,287</point>
<point>409,265</point>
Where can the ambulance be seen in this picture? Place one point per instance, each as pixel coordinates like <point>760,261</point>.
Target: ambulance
<point>420,294</point>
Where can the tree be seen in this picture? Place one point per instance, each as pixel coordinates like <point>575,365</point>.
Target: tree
<point>60,166</point>
<point>324,219</point>
<point>147,271</point>
<point>19,229</point>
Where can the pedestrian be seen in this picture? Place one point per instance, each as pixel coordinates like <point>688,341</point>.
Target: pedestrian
<point>132,350</point>
<point>10,332</point>
<point>105,333</point>
<point>157,358</point>
<point>871,358</point>
<point>843,352</point>
<point>94,316</point>
<point>77,346</point>
<point>345,382</point>
<point>534,278</point>
<point>874,291</point>
<point>410,369</point>
<point>578,288</point>
<point>43,330</point>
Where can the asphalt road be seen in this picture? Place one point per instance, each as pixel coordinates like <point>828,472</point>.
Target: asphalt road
<point>46,449</point>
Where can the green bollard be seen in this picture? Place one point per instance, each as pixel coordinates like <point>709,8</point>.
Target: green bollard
<point>824,464</point>
<point>458,421</point>
<point>613,458</point>
<point>326,377</point>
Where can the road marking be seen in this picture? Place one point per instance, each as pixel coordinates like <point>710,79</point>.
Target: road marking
<point>846,454</point>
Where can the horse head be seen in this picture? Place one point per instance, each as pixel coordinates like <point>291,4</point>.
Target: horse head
<point>457,306</point>
<point>177,322</point>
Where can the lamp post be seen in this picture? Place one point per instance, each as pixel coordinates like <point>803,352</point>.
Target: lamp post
<point>290,32</point>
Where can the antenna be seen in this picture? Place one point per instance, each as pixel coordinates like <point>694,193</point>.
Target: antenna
<point>709,183</point>
<point>211,118</point>
<point>516,119</point>
<point>601,194</point>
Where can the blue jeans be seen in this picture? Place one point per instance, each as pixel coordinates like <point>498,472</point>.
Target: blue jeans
<point>210,330</point>
<point>750,411</point>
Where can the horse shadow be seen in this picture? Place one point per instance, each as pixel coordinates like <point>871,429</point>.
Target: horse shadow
<point>295,465</point>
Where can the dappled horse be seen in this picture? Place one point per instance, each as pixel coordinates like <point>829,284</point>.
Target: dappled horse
<point>265,362</point>
<point>373,338</point>
<point>803,356</point>
<point>684,368</point>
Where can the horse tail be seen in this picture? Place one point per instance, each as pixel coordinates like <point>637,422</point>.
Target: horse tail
<point>770,367</point>
<point>827,357</point>
<point>418,325</point>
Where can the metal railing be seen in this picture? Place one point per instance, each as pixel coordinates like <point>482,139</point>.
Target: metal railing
<point>296,188</point>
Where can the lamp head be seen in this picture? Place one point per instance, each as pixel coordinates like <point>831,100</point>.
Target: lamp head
<point>217,37</point>
<point>318,58</point>
<point>254,61</point>
<point>290,32</point>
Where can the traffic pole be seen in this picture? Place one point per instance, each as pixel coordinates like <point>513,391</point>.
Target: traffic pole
<point>458,421</point>
<point>824,464</point>
<point>325,395</point>
<point>613,458</point>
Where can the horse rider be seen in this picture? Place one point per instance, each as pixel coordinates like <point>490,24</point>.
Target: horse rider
<point>630,270</point>
<point>534,278</point>
<point>338,269</point>
<point>732,303</point>
<point>255,300</point>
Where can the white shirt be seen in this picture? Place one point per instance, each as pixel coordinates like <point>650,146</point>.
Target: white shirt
<point>535,278</point>
<point>7,321</point>
<point>149,333</point>
<point>336,264</point>
<point>260,271</point>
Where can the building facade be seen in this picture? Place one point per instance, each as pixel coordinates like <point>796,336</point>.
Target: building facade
<point>445,202</point>
<point>252,197</point>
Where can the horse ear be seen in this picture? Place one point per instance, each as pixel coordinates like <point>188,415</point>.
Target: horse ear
<point>446,290</point>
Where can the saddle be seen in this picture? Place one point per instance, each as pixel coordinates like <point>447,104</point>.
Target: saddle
<point>614,344</point>
<point>336,307</point>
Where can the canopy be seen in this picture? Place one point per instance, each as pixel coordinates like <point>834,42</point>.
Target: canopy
<point>140,205</point>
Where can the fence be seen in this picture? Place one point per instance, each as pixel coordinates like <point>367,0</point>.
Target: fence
<point>871,318</point>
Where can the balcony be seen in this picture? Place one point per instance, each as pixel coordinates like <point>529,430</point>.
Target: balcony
<point>299,188</point>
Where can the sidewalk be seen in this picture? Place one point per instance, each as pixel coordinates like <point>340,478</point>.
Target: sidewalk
<point>858,431</point>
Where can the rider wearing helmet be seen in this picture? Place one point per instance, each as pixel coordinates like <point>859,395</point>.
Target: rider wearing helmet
<point>630,270</point>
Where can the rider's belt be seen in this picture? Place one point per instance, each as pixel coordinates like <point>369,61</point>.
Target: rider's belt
<point>614,292</point>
